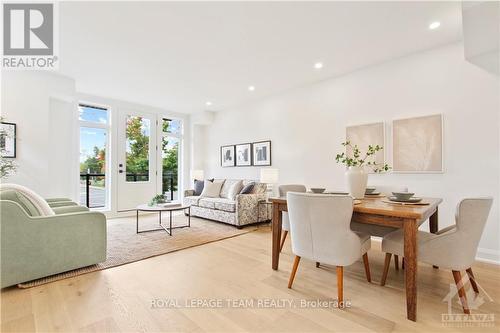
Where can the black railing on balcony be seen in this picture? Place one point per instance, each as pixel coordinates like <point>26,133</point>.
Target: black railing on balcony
<point>97,181</point>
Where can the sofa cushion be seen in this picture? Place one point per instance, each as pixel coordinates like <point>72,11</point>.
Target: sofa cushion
<point>226,205</point>
<point>247,189</point>
<point>235,190</point>
<point>207,202</point>
<point>191,200</point>
<point>228,184</point>
<point>41,205</point>
<point>199,185</point>
<point>218,203</point>
<point>212,189</point>
<point>20,199</point>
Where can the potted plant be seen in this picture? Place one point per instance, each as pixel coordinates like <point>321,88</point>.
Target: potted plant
<point>157,200</point>
<point>356,175</point>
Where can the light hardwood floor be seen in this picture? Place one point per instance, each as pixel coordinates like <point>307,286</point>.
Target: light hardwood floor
<point>120,299</point>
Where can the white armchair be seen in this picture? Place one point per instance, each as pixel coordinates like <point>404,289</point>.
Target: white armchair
<point>285,223</point>
<point>319,228</point>
<point>453,248</point>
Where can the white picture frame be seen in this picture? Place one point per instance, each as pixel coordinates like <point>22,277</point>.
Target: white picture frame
<point>367,134</point>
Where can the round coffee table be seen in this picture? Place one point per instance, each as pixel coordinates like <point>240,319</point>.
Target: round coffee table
<point>160,209</point>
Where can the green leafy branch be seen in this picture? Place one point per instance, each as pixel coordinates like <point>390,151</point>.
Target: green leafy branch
<point>358,159</point>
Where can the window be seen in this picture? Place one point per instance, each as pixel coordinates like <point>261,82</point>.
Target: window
<point>138,133</point>
<point>170,154</point>
<point>93,160</point>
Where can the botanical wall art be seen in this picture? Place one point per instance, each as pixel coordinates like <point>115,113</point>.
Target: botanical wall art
<point>418,144</point>
<point>8,139</point>
<point>227,156</point>
<point>262,153</point>
<point>244,154</point>
<point>363,136</point>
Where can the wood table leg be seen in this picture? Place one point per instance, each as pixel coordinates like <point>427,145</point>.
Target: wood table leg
<point>410,257</point>
<point>276,225</point>
<point>434,225</point>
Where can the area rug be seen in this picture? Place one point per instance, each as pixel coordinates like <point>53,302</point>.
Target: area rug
<point>126,246</point>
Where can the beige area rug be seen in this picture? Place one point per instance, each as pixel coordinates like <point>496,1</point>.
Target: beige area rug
<point>125,246</point>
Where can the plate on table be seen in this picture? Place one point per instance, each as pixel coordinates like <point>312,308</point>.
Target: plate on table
<point>410,200</point>
<point>374,194</point>
<point>337,192</point>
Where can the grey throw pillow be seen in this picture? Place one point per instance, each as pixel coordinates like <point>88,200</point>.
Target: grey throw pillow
<point>198,186</point>
<point>247,189</point>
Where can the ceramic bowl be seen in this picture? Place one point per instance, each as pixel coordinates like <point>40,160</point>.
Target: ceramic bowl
<point>318,190</point>
<point>403,195</point>
<point>370,190</point>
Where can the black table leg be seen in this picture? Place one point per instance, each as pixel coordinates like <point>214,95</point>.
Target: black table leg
<point>137,222</point>
<point>189,216</point>
<point>170,223</point>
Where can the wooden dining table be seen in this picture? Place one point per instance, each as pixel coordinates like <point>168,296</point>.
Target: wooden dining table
<point>377,211</point>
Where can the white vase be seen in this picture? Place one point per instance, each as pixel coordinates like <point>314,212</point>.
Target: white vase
<point>357,179</point>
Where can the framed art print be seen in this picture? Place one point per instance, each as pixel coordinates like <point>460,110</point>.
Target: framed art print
<point>418,144</point>
<point>8,140</point>
<point>227,156</point>
<point>244,154</point>
<point>262,153</point>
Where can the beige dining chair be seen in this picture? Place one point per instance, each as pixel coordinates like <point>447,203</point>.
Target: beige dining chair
<point>319,229</point>
<point>453,248</point>
<point>285,223</point>
<point>378,230</point>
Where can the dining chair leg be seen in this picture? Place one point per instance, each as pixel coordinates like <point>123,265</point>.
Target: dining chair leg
<point>283,238</point>
<point>472,280</point>
<point>317,264</point>
<point>367,267</point>
<point>387,263</point>
<point>396,262</point>
<point>340,286</point>
<point>461,291</point>
<point>294,270</point>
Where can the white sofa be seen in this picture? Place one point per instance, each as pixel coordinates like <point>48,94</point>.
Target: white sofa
<point>242,211</point>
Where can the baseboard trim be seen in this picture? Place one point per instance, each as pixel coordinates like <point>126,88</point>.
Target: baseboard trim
<point>488,256</point>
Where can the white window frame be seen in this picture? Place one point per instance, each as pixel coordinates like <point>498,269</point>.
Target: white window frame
<point>107,128</point>
<point>180,162</point>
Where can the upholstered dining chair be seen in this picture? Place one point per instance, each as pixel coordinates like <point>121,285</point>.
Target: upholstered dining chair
<point>285,223</point>
<point>319,228</point>
<point>378,230</point>
<point>454,247</point>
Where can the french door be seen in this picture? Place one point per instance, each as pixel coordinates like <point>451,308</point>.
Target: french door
<point>136,172</point>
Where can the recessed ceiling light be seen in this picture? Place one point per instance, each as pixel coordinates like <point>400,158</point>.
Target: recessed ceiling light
<point>208,103</point>
<point>318,65</point>
<point>434,25</point>
<point>251,88</point>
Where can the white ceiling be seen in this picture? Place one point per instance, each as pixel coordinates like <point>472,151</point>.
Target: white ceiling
<point>179,55</point>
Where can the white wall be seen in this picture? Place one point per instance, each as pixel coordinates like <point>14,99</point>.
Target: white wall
<point>44,107</point>
<point>306,126</point>
<point>40,103</point>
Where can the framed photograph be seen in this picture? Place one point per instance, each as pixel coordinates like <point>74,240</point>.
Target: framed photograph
<point>227,156</point>
<point>365,135</point>
<point>244,154</point>
<point>8,139</point>
<point>262,153</point>
<point>418,144</point>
